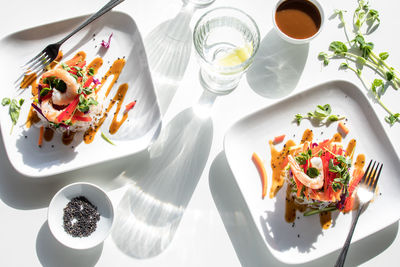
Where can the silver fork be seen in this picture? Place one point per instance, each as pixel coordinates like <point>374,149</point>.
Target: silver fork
<point>365,193</point>
<point>47,55</point>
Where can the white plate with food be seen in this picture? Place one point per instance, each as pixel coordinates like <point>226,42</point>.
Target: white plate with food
<point>72,99</point>
<point>295,238</point>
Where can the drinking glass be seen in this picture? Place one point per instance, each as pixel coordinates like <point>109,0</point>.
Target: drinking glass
<point>199,3</point>
<point>226,40</point>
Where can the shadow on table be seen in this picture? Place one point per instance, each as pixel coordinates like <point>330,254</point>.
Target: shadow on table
<point>152,208</point>
<point>51,253</point>
<point>281,235</point>
<point>248,243</point>
<point>24,193</point>
<point>168,49</point>
<point>277,66</point>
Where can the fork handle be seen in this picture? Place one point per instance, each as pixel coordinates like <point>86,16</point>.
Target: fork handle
<point>342,256</point>
<point>96,15</point>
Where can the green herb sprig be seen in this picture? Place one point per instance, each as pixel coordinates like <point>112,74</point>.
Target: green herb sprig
<point>342,170</point>
<point>13,110</point>
<point>365,21</point>
<point>321,113</point>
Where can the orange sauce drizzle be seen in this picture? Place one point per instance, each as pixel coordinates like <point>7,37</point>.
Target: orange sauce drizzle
<point>277,162</point>
<point>53,64</point>
<point>350,148</point>
<point>96,64</point>
<point>308,136</point>
<point>78,57</point>
<point>337,137</point>
<point>115,70</point>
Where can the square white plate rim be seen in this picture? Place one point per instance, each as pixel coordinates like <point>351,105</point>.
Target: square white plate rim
<point>232,145</point>
<point>148,132</point>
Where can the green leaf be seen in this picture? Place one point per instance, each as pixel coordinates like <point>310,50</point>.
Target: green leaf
<point>389,75</point>
<point>5,101</point>
<point>324,56</point>
<point>344,66</point>
<point>107,139</point>
<point>376,84</point>
<point>65,67</point>
<point>384,55</point>
<point>366,49</point>
<point>21,102</point>
<point>312,212</point>
<point>44,91</point>
<point>323,111</point>
<point>91,71</point>
<point>361,60</point>
<point>60,85</point>
<point>359,39</point>
<point>14,111</point>
<point>87,91</point>
<point>338,47</point>
<point>343,160</point>
<point>312,172</point>
<point>333,118</point>
<point>373,15</point>
<point>298,118</point>
<point>392,118</point>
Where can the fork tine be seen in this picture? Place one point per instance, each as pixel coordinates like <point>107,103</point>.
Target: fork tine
<point>39,65</point>
<point>376,178</point>
<point>33,61</point>
<point>39,62</point>
<point>366,173</point>
<point>372,174</point>
<point>38,68</point>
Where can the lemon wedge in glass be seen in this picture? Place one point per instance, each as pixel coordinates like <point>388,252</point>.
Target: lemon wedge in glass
<point>237,56</point>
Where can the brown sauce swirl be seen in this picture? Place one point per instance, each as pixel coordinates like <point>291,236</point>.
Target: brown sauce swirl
<point>68,137</point>
<point>48,134</point>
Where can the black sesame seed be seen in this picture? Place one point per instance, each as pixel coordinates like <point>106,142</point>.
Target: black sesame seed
<point>80,217</point>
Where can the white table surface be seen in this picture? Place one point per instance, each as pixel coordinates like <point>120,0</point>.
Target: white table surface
<point>215,228</point>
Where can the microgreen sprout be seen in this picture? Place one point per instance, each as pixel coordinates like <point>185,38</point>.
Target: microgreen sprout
<point>321,113</point>
<point>365,21</point>
<point>13,110</point>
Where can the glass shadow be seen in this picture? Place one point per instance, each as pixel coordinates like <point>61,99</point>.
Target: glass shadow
<point>151,209</point>
<point>168,49</point>
<point>277,67</point>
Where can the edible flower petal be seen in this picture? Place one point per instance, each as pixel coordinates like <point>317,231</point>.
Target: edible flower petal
<point>107,44</point>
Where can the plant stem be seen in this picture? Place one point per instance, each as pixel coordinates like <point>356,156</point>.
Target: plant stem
<point>375,95</point>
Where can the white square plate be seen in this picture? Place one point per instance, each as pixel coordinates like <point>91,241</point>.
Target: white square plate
<point>142,125</point>
<point>251,134</point>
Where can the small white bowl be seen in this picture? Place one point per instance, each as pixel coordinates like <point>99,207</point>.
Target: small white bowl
<point>294,40</point>
<point>98,198</point>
